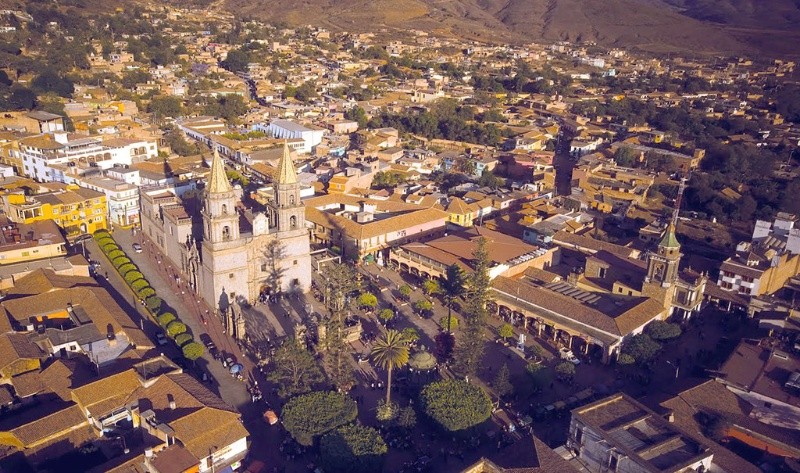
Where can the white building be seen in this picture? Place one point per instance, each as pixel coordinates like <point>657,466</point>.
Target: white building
<point>42,154</point>
<point>286,129</point>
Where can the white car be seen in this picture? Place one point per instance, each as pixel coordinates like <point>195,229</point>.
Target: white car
<point>137,247</point>
<point>566,354</point>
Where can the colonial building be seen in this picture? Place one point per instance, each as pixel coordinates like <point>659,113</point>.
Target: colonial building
<point>239,253</point>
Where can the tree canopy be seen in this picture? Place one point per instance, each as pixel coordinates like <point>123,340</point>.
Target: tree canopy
<point>294,369</point>
<point>353,448</point>
<point>641,348</point>
<point>660,330</point>
<point>456,404</point>
<point>310,415</point>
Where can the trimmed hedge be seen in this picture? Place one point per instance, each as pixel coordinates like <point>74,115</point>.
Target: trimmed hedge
<point>182,339</point>
<point>166,318</point>
<point>107,248</point>
<point>133,276</point>
<point>119,261</point>
<point>128,268</point>
<point>153,303</point>
<point>175,328</point>
<point>146,292</point>
<point>139,284</point>
<point>192,350</point>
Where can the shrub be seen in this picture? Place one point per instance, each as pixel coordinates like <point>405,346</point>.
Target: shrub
<point>192,351</point>
<point>175,328</point>
<point>120,260</point>
<point>127,268</point>
<point>131,276</point>
<point>105,240</point>
<point>182,339</point>
<point>660,330</point>
<point>310,415</point>
<point>456,404</point>
<point>386,315</point>
<point>405,291</point>
<point>565,369</point>
<point>166,318</point>
<point>153,303</point>
<point>139,284</point>
<point>145,292</point>
<point>115,253</point>
<point>368,300</point>
<point>411,334</point>
<point>110,247</point>
<point>506,331</point>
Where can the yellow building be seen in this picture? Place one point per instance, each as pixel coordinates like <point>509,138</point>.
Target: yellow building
<point>459,213</point>
<point>75,209</point>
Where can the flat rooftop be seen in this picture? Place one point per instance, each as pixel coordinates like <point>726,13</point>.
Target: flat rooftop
<point>645,438</point>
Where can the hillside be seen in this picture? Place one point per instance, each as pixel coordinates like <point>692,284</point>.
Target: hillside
<point>713,26</point>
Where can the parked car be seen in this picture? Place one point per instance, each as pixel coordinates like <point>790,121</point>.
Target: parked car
<point>137,247</point>
<point>566,354</point>
<point>161,338</point>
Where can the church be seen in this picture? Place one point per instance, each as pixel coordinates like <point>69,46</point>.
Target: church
<point>226,251</point>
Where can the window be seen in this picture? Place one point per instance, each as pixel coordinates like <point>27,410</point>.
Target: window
<point>230,276</point>
<point>294,263</point>
<point>601,273</point>
<point>264,268</point>
<point>292,222</point>
<point>768,405</point>
<point>579,436</point>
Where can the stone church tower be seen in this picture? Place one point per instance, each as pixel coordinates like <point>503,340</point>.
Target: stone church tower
<point>288,222</point>
<point>662,268</point>
<point>224,254</point>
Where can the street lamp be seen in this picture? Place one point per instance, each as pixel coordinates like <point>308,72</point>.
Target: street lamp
<point>677,368</point>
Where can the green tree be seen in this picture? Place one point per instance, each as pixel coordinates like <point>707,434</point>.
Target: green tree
<point>565,369</point>
<point>539,375</point>
<point>641,348</point>
<point>468,354</point>
<point>367,300</point>
<point>339,280</point>
<point>455,404</point>
<point>389,352</point>
<point>386,315</point>
<point>411,334</point>
<point>352,449</point>
<point>405,291</point>
<point>153,303</point>
<point>423,306</point>
<point>310,415</point>
<point>164,106</point>
<point>660,330</point>
<point>192,350</point>
<point>452,284</point>
<point>448,323</point>
<point>176,328</point>
<point>506,331</point>
<point>236,61</point>
<point>488,179</point>
<point>133,77</point>
<point>626,156</point>
<point>51,81</point>
<point>294,369</point>
<point>182,339</point>
<point>231,107</point>
<point>166,318</point>
<point>357,114</point>
<point>430,287</point>
<point>502,382</point>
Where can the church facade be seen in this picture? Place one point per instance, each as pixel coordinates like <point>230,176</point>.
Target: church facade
<point>238,255</point>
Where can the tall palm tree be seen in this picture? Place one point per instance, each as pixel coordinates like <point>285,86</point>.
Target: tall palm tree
<point>452,285</point>
<point>390,352</point>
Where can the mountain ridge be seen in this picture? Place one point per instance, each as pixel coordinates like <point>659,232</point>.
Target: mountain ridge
<point>703,26</point>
